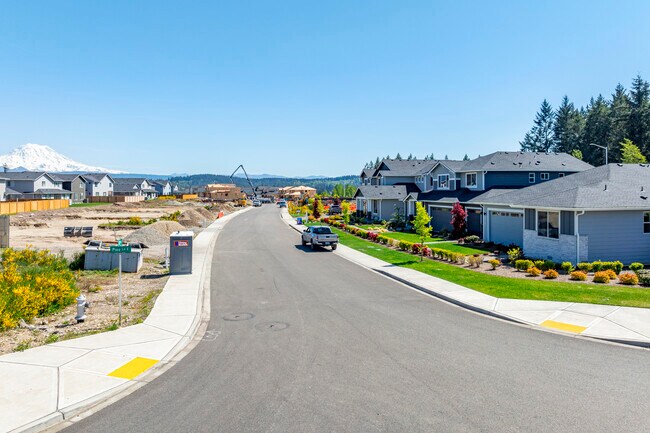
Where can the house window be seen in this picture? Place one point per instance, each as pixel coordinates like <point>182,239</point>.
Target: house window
<point>431,181</point>
<point>110,185</point>
<point>531,177</point>
<point>443,181</point>
<point>548,224</point>
<point>560,175</point>
<point>42,183</point>
<point>543,176</point>
<point>470,180</point>
<point>646,222</point>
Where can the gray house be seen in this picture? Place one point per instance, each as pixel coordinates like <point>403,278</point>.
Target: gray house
<point>381,201</point>
<point>75,183</point>
<point>33,185</point>
<point>162,187</point>
<point>134,186</point>
<point>99,184</point>
<point>598,214</point>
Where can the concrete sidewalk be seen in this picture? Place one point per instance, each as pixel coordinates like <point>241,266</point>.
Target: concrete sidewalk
<point>47,384</point>
<point>618,324</point>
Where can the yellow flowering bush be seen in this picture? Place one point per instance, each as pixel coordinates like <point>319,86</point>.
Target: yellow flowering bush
<point>33,283</point>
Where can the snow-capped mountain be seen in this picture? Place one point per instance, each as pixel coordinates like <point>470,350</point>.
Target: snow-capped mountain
<point>38,157</point>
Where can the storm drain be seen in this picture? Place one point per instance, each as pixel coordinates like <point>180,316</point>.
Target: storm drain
<point>271,326</point>
<point>235,317</point>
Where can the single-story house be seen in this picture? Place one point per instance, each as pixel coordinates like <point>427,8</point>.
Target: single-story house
<point>597,214</point>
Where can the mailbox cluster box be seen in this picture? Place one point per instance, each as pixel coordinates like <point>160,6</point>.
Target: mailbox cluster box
<point>180,252</point>
<point>100,258</point>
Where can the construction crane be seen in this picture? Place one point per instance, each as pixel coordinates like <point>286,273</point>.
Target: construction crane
<point>247,178</point>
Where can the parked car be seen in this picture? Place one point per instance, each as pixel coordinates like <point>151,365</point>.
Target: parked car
<point>257,203</point>
<point>282,203</point>
<point>335,209</point>
<point>320,236</point>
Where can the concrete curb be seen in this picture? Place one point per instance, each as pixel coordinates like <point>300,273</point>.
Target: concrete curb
<point>479,310</point>
<point>63,418</point>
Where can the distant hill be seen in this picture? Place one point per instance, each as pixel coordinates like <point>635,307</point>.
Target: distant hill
<point>321,184</point>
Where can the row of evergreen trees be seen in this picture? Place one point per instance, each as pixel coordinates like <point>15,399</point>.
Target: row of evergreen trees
<point>622,124</point>
<point>377,161</point>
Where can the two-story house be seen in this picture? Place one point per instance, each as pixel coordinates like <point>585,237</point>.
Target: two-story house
<point>134,186</point>
<point>75,183</point>
<point>99,184</point>
<point>162,187</point>
<point>477,181</point>
<point>33,185</point>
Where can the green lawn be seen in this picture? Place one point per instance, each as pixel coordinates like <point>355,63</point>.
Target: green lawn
<point>504,287</point>
<point>88,204</point>
<point>409,237</point>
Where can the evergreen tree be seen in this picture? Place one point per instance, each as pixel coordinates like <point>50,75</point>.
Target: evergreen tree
<point>596,131</point>
<point>630,154</point>
<point>446,157</point>
<point>410,157</point>
<point>619,122</point>
<point>398,157</point>
<point>567,127</point>
<point>377,163</point>
<point>465,158</point>
<point>540,137</point>
<point>639,127</point>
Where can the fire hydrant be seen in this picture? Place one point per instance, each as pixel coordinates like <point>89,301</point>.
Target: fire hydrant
<point>81,308</point>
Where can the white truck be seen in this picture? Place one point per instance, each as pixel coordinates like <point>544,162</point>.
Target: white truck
<point>320,236</point>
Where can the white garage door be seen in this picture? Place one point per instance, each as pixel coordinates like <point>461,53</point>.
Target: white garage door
<point>507,228</point>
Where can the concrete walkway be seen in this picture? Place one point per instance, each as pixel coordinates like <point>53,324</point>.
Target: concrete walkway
<point>47,384</point>
<point>619,324</point>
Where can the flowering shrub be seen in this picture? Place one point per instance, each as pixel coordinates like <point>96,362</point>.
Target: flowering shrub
<point>495,263</point>
<point>535,272</point>
<point>33,283</point>
<point>644,277</point>
<point>629,278</point>
<point>550,274</point>
<point>601,277</point>
<point>578,276</point>
<point>471,239</point>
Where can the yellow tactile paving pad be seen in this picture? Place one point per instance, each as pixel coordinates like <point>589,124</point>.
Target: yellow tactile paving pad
<point>133,368</point>
<point>563,326</point>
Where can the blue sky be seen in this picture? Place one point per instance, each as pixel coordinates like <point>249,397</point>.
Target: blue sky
<point>299,87</point>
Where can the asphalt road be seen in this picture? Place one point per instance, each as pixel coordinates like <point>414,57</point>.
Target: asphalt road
<point>309,342</point>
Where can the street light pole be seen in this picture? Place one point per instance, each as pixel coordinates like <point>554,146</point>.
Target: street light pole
<point>602,147</point>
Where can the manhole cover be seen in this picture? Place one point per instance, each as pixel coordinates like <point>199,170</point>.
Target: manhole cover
<point>235,317</point>
<point>272,326</point>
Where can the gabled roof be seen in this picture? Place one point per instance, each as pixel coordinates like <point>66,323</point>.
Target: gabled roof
<point>386,192</point>
<point>608,187</point>
<point>367,172</point>
<point>526,161</point>
<point>25,175</point>
<point>66,177</point>
<point>462,195</point>
<point>451,164</point>
<point>97,177</point>
<point>403,167</point>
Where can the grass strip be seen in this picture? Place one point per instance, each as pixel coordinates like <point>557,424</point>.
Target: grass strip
<point>505,287</point>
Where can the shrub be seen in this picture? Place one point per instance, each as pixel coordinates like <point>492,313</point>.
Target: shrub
<point>415,248</point>
<point>78,261</point>
<point>567,267</point>
<point>612,275</point>
<point>535,272</point>
<point>373,236</point>
<point>601,277</point>
<point>547,265</point>
<point>515,254</point>
<point>585,267</point>
<point>474,260</point>
<point>629,278</point>
<point>636,266</point>
<point>523,265</point>
<point>33,283</point>
<point>472,239</point>
<point>644,277</point>
<point>578,276</point>
<point>405,245</point>
<point>550,274</point>
<point>597,266</point>
<point>495,263</point>
<point>616,266</point>
<point>382,239</point>
<point>427,252</point>
<point>539,264</point>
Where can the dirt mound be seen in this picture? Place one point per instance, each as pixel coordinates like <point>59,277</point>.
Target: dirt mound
<point>155,234</point>
<point>206,213</point>
<point>191,218</point>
